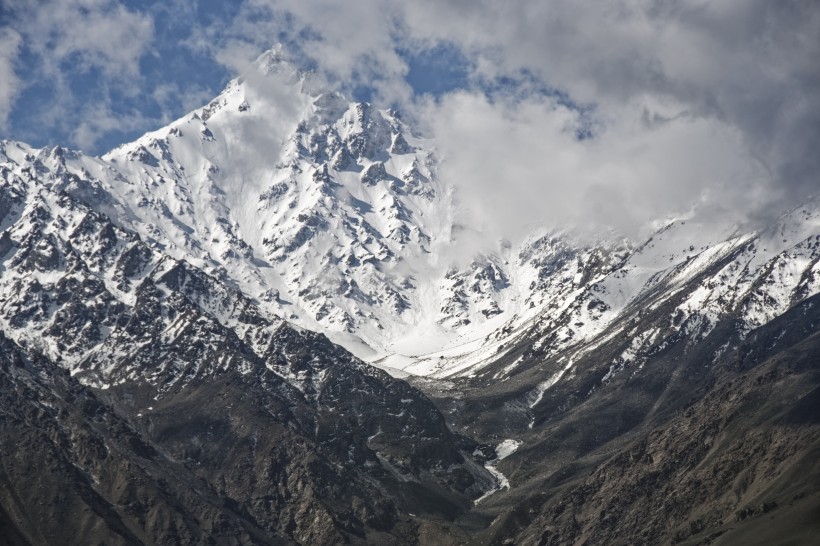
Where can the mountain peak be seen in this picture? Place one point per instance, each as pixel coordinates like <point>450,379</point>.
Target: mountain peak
<point>276,60</point>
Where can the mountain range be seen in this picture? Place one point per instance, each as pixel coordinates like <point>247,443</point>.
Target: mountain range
<point>268,322</point>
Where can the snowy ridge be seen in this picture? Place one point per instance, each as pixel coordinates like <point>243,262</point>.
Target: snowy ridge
<point>707,276</point>
<point>110,308</point>
<point>742,279</point>
<point>329,214</point>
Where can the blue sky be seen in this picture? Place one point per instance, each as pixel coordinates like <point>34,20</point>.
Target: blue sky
<point>64,82</point>
<point>71,91</point>
<point>653,105</point>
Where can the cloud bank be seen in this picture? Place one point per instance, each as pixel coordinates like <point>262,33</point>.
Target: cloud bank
<point>9,82</point>
<point>572,112</point>
<point>683,103</point>
<point>521,165</point>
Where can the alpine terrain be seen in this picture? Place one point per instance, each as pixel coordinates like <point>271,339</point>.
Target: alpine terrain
<point>262,324</point>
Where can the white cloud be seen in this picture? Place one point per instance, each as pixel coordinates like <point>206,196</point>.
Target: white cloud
<point>101,34</point>
<point>96,119</point>
<point>693,98</point>
<point>64,39</point>
<point>353,43</point>
<point>170,96</point>
<point>520,165</point>
<point>9,82</point>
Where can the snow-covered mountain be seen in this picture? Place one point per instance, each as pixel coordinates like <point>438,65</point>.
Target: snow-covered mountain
<point>329,214</point>
<point>326,212</point>
<point>231,242</point>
